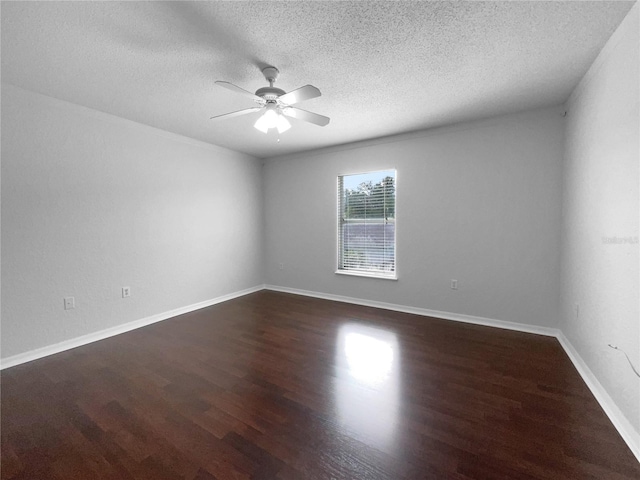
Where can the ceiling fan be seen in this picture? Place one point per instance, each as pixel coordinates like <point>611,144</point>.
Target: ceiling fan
<point>276,104</point>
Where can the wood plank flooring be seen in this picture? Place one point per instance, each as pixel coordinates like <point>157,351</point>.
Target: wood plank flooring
<point>278,386</point>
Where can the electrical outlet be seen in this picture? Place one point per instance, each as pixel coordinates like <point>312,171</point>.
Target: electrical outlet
<point>126,292</point>
<point>281,266</point>
<point>69,303</point>
<point>454,284</point>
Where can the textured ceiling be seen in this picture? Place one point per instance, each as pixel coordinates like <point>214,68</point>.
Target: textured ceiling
<point>383,67</point>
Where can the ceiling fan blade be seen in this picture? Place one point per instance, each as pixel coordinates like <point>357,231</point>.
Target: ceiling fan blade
<point>237,89</point>
<point>238,113</point>
<point>310,117</point>
<point>300,94</point>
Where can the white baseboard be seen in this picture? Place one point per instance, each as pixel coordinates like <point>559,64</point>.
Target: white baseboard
<point>117,330</point>
<point>619,421</point>
<point>456,317</point>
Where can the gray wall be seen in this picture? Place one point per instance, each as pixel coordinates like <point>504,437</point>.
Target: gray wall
<point>477,202</point>
<point>600,209</point>
<point>92,203</point>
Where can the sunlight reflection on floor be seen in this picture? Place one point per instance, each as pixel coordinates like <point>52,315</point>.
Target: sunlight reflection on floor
<point>368,384</point>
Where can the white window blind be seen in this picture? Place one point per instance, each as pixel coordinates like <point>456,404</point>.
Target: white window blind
<point>367,223</point>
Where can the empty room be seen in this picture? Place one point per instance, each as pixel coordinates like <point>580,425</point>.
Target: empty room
<point>338,240</point>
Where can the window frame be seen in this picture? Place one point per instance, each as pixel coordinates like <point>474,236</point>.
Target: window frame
<point>393,275</point>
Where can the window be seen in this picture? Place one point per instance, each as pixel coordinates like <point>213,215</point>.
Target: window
<point>367,224</point>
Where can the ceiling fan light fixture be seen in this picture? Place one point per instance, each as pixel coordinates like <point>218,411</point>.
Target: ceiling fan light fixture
<point>267,121</point>
<point>272,119</point>
<point>276,104</point>
<point>282,124</point>
<point>261,125</point>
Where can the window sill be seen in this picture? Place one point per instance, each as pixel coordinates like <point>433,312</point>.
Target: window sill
<point>352,273</point>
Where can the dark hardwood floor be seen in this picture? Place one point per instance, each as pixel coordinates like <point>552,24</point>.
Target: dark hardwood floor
<point>278,386</point>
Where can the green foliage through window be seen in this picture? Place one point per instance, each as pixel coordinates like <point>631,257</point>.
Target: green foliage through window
<point>371,200</point>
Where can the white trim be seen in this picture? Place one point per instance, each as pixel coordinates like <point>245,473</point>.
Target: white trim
<point>117,330</point>
<point>358,273</point>
<point>617,418</point>
<point>456,317</point>
<point>620,422</point>
<point>339,225</point>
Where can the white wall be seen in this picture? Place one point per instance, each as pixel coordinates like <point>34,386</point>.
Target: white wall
<point>478,202</point>
<point>92,202</point>
<point>601,202</point>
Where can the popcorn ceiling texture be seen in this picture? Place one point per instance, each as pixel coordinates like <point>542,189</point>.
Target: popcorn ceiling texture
<point>383,67</point>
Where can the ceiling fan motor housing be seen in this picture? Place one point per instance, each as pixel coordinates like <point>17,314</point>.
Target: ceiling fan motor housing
<point>269,93</point>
